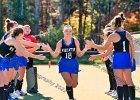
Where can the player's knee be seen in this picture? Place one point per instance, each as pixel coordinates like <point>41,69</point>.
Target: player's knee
<point>69,82</point>
<point>120,81</point>
<point>129,82</point>
<point>74,85</point>
<point>21,76</point>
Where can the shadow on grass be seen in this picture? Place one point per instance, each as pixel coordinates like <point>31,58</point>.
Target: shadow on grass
<point>137,98</point>
<point>37,96</point>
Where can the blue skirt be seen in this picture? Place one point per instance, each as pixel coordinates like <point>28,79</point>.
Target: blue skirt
<point>121,61</point>
<point>22,61</point>
<point>68,65</point>
<point>4,63</point>
<point>18,61</point>
<point>133,66</point>
<point>1,67</point>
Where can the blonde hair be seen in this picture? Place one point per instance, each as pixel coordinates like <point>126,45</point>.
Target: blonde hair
<point>67,27</point>
<point>118,20</point>
<point>20,26</point>
<point>26,25</point>
<point>107,29</point>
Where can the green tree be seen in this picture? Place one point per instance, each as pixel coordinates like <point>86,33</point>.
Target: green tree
<point>9,8</point>
<point>17,11</point>
<point>61,11</point>
<point>52,37</point>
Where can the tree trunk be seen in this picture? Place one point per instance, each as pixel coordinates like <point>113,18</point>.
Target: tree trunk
<point>85,13</point>
<point>44,14</point>
<point>1,21</point>
<point>9,8</point>
<point>61,11</point>
<point>80,23</point>
<point>92,16</point>
<point>41,15</point>
<point>47,14</point>
<point>22,7</point>
<point>139,11</point>
<point>115,8</point>
<point>98,29</point>
<point>36,19</point>
<point>69,10</point>
<point>110,10</point>
<point>84,27</point>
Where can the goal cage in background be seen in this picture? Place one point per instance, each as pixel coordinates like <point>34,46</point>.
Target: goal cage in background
<point>137,48</point>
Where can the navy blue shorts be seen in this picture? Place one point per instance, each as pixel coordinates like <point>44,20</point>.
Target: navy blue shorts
<point>68,65</point>
<point>121,61</point>
<point>18,61</point>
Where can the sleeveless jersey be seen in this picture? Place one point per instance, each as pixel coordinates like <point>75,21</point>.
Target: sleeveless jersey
<point>123,44</point>
<point>11,54</point>
<point>6,35</point>
<point>68,51</point>
<point>6,50</point>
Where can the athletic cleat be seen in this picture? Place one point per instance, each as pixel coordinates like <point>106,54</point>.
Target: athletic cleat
<point>109,92</point>
<point>33,90</point>
<point>9,98</point>
<point>72,99</point>
<point>114,95</point>
<point>14,95</point>
<point>21,93</point>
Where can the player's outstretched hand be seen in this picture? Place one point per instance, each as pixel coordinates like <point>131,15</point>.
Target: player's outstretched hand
<point>41,57</point>
<point>92,57</point>
<point>90,43</point>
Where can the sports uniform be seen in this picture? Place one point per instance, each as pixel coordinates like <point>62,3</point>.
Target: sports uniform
<point>68,61</point>
<point>15,60</point>
<point>121,55</point>
<point>18,61</point>
<point>6,52</point>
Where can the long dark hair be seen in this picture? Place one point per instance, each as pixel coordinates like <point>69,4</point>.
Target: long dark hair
<point>16,32</point>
